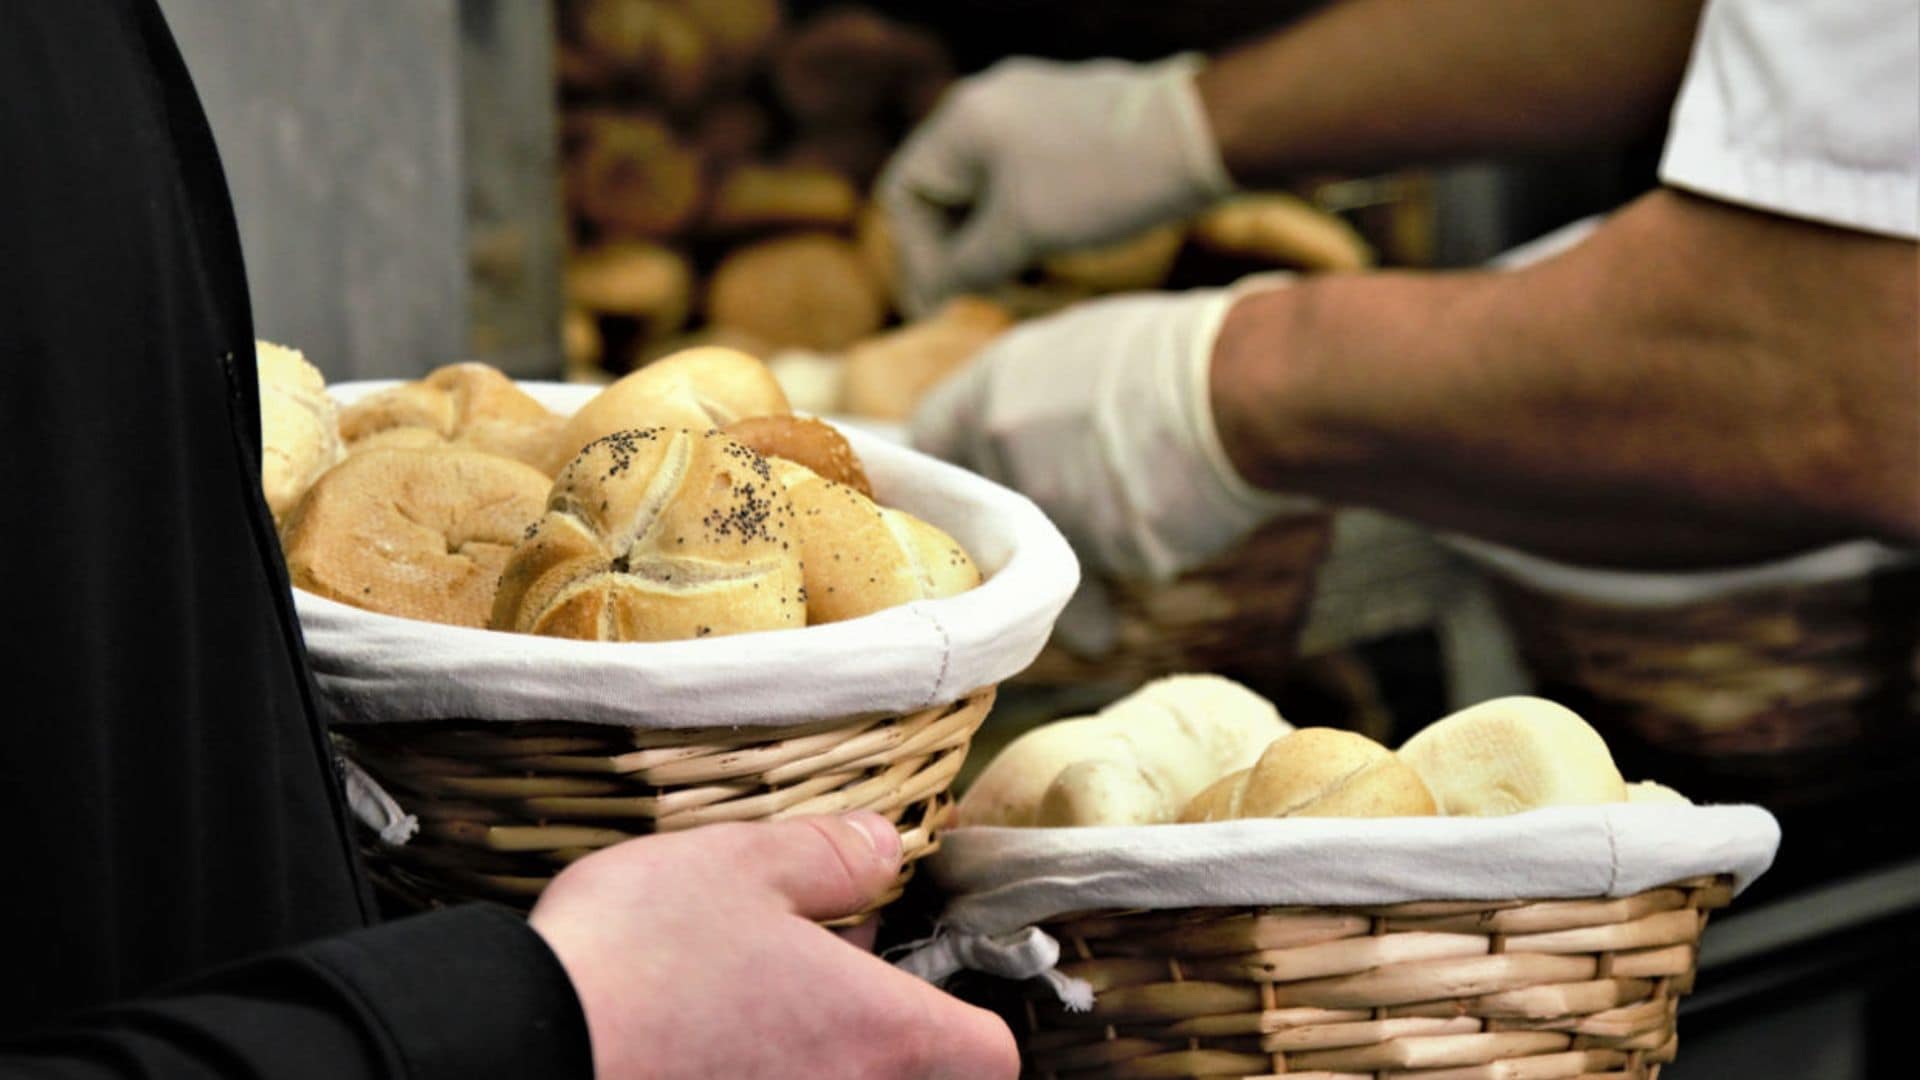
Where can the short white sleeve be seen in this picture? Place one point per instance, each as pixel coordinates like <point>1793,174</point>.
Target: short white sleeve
<point>1807,108</point>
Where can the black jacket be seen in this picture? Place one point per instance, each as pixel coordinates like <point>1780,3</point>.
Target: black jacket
<point>167,800</point>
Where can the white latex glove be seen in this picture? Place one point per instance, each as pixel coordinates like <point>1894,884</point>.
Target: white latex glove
<point>1102,415</point>
<point>1035,157</point>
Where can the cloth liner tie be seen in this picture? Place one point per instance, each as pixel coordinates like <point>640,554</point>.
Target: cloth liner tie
<point>1028,953</point>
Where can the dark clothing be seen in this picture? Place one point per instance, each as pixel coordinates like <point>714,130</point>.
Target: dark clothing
<point>170,800</point>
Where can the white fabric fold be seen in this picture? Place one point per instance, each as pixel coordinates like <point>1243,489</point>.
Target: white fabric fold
<point>374,668</point>
<point>1005,881</point>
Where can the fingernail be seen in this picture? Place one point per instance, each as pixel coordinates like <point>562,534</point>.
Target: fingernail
<point>879,832</point>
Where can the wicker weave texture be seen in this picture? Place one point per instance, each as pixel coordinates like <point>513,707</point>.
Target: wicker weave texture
<point>1770,671</point>
<point>1239,615</point>
<point>504,807</point>
<point>1515,990</point>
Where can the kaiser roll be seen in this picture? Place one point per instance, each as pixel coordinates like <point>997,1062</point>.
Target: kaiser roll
<point>656,535</point>
<point>418,533</point>
<point>299,431</point>
<point>861,558</point>
<point>470,405</point>
<point>804,441</point>
<point>1512,754</point>
<point>697,389</point>
<point>1316,772</point>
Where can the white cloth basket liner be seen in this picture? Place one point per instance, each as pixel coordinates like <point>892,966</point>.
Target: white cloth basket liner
<point>375,668</point>
<point>1004,881</point>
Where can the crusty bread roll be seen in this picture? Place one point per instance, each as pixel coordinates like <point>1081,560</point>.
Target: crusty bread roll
<point>470,405</point>
<point>299,427</point>
<point>807,290</point>
<point>813,382</point>
<point>658,44</point>
<point>1512,754</point>
<point>888,375</point>
<point>630,175</point>
<point>848,64</point>
<point>738,31</point>
<point>1284,230</point>
<point>417,533</point>
<point>657,535</point>
<point>1138,762</point>
<point>697,389</point>
<point>1317,772</point>
<point>860,558</point>
<point>1141,261</point>
<point>781,197</point>
<point>806,441</point>
<point>648,283</point>
<point>1655,793</point>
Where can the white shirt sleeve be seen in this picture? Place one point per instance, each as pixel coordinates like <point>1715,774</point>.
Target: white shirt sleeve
<point>1807,108</point>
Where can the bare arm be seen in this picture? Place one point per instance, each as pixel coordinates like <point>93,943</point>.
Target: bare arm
<point>1696,384</point>
<point>1385,83</point>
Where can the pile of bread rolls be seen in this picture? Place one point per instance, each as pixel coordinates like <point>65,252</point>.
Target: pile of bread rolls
<point>1200,748</point>
<point>718,160</point>
<point>683,501</point>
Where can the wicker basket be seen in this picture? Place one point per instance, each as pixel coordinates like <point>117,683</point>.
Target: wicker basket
<point>512,771</point>
<point>1514,990</point>
<point>503,808</point>
<point>1750,673</point>
<point>1239,616</point>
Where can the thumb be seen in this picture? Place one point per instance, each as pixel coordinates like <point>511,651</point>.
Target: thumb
<point>822,867</point>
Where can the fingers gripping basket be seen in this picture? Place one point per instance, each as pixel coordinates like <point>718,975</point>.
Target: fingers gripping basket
<point>1576,973</point>
<point>514,755</point>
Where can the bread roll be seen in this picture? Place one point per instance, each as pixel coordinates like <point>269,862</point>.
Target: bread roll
<point>770,197</point>
<point>809,290</point>
<point>1141,261</point>
<point>738,31</point>
<point>1138,762</point>
<point>299,428</point>
<point>860,558</point>
<point>657,535</point>
<point>813,382</point>
<point>1512,754</point>
<point>1281,229</point>
<point>657,44</point>
<point>417,533</point>
<point>636,280</point>
<point>631,176</point>
<point>470,405</point>
<point>1317,772</point>
<point>873,236</point>
<point>848,65</point>
<point>695,390</point>
<point>581,342</point>
<point>888,375</point>
<point>804,441</point>
<point>1655,793</point>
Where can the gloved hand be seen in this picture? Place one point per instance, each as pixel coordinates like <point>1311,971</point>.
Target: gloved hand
<point>1102,414</point>
<point>1041,157</point>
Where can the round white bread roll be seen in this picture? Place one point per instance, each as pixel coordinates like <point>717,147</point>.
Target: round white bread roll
<point>1317,772</point>
<point>657,535</point>
<point>1137,762</point>
<point>886,376</point>
<point>802,290</point>
<point>695,390</point>
<point>1654,793</point>
<point>299,427</point>
<point>1512,754</point>
<point>470,405</point>
<point>421,534</point>
<point>859,558</point>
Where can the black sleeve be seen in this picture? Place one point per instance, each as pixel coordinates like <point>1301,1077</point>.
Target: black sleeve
<point>468,992</point>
